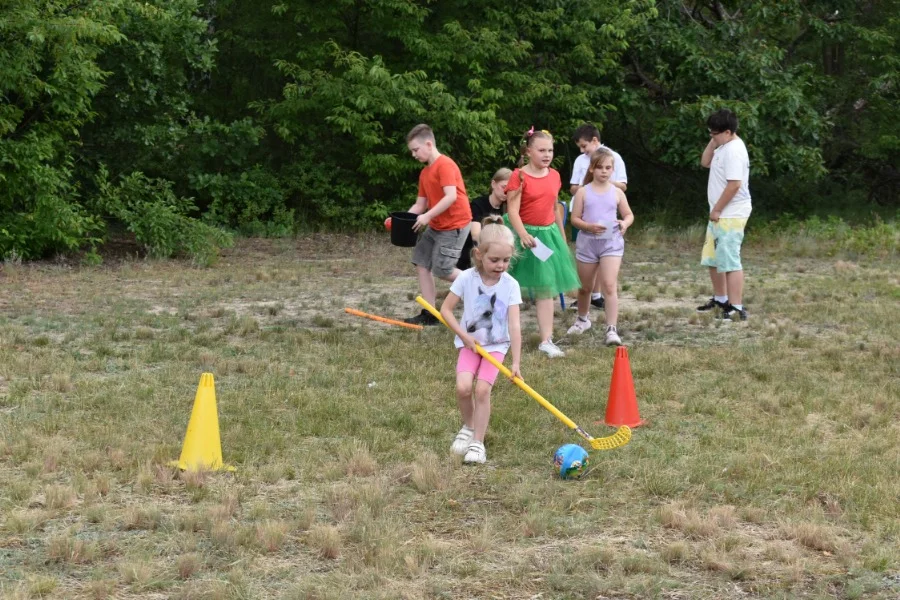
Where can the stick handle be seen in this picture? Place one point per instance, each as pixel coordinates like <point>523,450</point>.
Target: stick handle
<point>621,437</point>
<point>360,313</point>
<point>517,380</point>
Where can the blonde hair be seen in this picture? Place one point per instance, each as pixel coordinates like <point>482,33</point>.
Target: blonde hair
<point>493,231</point>
<point>502,174</point>
<point>596,158</point>
<point>527,140</point>
<point>420,132</point>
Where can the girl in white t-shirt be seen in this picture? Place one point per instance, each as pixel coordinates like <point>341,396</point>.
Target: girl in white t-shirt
<point>491,299</point>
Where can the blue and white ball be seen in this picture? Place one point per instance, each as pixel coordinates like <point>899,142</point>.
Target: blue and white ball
<point>571,460</point>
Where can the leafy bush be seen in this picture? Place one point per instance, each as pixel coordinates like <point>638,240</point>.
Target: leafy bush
<point>252,202</point>
<point>159,218</point>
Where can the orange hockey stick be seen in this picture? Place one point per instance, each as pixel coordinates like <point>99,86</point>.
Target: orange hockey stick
<point>360,313</point>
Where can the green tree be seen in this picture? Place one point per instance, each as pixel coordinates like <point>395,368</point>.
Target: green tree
<point>48,78</point>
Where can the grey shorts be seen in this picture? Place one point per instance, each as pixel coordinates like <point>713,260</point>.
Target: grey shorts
<point>438,251</point>
<point>590,249</point>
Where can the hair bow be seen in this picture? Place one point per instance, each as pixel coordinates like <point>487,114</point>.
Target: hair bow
<point>530,132</point>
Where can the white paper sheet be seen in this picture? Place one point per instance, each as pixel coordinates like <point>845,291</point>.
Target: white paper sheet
<point>541,250</point>
<point>610,230</point>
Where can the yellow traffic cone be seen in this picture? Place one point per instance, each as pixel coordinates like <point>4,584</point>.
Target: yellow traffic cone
<point>202,448</point>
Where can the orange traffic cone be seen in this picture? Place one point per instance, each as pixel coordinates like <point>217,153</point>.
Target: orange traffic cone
<point>622,408</point>
<point>202,448</point>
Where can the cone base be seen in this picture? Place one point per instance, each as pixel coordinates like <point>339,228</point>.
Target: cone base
<point>631,425</point>
<point>184,466</point>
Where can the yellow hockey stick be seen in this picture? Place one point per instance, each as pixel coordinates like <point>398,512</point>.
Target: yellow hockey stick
<point>621,437</point>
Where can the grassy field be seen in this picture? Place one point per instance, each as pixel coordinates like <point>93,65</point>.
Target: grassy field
<point>768,468</point>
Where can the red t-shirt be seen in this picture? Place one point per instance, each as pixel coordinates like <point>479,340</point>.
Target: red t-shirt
<point>432,181</point>
<point>538,205</point>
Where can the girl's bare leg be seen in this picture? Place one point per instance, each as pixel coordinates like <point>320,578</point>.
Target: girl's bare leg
<point>609,282</point>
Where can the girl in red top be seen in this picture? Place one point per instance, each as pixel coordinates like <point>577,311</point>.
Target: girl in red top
<point>532,194</point>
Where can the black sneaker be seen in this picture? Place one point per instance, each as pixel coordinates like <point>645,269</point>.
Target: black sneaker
<point>424,318</point>
<point>713,304</point>
<point>595,302</point>
<point>730,312</point>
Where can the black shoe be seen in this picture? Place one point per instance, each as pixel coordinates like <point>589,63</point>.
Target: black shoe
<point>730,312</point>
<point>713,304</point>
<point>595,302</point>
<point>424,318</point>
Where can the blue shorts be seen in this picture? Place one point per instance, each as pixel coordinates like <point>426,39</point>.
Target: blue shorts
<point>722,248</point>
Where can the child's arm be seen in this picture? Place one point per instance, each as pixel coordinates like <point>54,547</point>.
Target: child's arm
<point>443,204</point>
<point>420,206</point>
<point>624,210</point>
<point>731,189</point>
<point>447,307</point>
<point>578,213</point>
<point>515,340</point>
<point>513,204</point>
<point>707,156</point>
<point>558,214</point>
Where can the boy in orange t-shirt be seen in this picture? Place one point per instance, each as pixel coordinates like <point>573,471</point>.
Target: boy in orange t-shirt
<point>444,217</point>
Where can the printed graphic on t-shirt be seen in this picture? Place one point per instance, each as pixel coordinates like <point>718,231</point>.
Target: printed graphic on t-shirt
<point>488,324</point>
<point>486,309</point>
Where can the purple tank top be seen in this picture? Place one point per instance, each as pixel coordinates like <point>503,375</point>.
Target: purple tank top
<point>599,208</point>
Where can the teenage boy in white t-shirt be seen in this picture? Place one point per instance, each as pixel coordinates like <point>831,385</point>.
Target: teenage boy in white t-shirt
<point>728,193</point>
<point>587,138</point>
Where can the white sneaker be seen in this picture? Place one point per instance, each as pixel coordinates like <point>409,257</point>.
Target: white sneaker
<point>476,454</point>
<point>612,336</point>
<point>579,326</point>
<point>551,349</point>
<point>461,444</point>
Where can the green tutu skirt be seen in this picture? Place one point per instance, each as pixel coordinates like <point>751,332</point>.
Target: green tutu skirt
<point>544,279</point>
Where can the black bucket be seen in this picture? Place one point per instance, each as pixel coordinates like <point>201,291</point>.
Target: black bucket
<point>402,233</point>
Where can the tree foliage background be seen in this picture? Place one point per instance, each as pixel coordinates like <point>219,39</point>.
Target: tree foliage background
<point>184,121</point>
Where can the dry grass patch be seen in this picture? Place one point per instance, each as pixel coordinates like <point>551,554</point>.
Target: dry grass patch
<point>814,536</point>
<point>687,520</point>
<point>271,535</point>
<point>429,473</point>
<point>141,517</point>
<point>325,540</point>
<point>59,496</point>
<point>676,552</point>
<point>360,462</point>
<point>67,548</point>
<point>713,499</point>
<point>187,565</point>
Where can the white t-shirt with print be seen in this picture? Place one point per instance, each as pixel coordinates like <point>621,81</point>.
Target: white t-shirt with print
<point>730,162</point>
<point>486,308</point>
<point>581,164</point>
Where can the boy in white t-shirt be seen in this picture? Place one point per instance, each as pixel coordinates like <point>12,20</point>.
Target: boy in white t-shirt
<point>728,193</point>
<point>587,138</point>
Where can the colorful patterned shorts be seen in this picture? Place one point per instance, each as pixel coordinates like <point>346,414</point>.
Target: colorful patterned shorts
<point>722,248</point>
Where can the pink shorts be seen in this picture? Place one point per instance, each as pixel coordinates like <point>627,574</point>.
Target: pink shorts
<point>471,362</point>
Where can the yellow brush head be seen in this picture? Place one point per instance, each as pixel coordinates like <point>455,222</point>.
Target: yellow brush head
<point>621,437</point>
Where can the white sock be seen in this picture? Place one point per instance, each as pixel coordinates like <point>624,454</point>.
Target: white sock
<point>611,328</point>
<point>584,318</point>
<point>738,306</point>
<point>722,299</point>
<point>596,295</point>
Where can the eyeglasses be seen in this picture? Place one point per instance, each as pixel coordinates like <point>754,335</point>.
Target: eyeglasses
<point>711,132</point>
